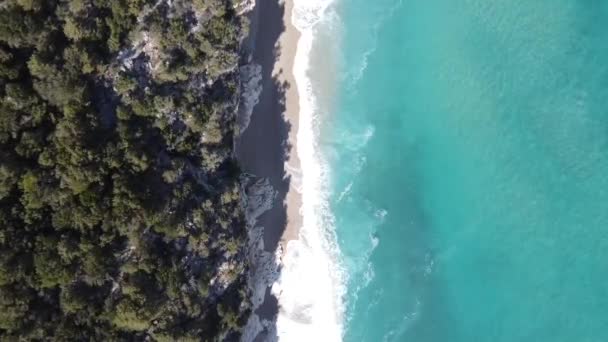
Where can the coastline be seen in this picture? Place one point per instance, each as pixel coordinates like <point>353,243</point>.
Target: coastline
<point>273,48</point>
<point>288,45</point>
<point>267,150</point>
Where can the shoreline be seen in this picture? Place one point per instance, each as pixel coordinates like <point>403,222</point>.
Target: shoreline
<point>278,101</point>
<point>267,149</point>
<point>310,285</point>
<point>289,43</point>
<point>295,279</point>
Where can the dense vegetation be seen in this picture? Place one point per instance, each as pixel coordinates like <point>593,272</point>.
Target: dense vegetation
<point>120,209</point>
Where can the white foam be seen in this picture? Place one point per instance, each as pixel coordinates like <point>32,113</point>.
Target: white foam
<point>362,66</point>
<point>381,214</point>
<point>311,285</point>
<point>362,269</point>
<point>357,73</point>
<point>369,274</point>
<point>345,192</point>
<point>357,141</point>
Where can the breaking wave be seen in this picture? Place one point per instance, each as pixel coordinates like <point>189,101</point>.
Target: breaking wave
<point>312,281</point>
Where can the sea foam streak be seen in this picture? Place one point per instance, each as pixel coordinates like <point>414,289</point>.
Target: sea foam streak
<point>311,285</point>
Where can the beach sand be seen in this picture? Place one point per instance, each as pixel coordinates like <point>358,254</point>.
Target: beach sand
<point>292,110</point>
<point>267,148</point>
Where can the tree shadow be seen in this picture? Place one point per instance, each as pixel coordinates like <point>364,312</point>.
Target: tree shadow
<point>264,148</point>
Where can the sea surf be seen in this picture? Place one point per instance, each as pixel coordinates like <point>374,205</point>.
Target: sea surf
<point>455,166</point>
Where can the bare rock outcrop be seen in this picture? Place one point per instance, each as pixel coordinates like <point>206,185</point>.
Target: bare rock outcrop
<point>258,198</point>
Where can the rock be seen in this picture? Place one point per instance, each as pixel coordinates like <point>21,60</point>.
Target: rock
<point>251,88</point>
<point>244,6</point>
<point>259,197</point>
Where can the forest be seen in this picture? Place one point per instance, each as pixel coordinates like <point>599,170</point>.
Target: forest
<point>120,203</point>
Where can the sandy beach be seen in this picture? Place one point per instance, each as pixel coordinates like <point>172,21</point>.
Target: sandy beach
<point>267,148</point>
<point>285,65</point>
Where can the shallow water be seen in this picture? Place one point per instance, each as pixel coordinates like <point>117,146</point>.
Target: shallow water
<point>468,169</point>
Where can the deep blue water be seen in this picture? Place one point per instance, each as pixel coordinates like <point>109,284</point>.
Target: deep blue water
<point>469,157</point>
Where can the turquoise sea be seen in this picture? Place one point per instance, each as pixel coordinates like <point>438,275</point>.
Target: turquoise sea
<point>467,149</point>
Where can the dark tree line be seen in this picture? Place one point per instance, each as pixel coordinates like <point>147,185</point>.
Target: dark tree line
<point>119,199</point>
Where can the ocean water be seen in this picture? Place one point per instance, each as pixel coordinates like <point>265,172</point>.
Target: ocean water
<point>455,172</point>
